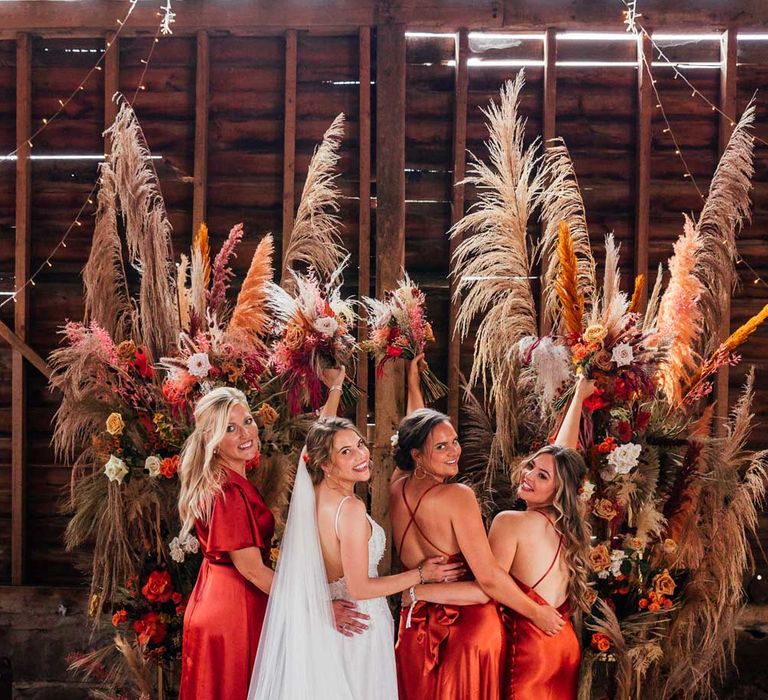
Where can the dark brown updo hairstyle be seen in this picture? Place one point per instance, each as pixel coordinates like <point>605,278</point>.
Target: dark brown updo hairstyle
<point>412,434</point>
<point>320,443</point>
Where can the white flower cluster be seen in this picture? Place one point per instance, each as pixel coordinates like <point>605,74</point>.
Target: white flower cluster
<point>327,325</point>
<point>115,469</point>
<point>617,559</point>
<point>152,465</point>
<point>625,458</point>
<point>199,364</point>
<point>394,440</point>
<point>179,547</point>
<point>587,490</point>
<point>622,354</point>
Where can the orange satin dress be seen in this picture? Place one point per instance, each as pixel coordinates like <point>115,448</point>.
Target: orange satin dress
<point>449,652</point>
<point>540,667</point>
<point>225,613</point>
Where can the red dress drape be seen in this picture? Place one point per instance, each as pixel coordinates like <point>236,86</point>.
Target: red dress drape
<point>450,652</point>
<point>223,619</point>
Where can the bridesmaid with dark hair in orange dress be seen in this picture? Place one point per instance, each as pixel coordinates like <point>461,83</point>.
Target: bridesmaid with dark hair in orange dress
<point>452,648</point>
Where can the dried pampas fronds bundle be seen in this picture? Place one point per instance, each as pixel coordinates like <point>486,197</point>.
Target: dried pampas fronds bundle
<point>562,202</point>
<point>147,231</point>
<point>566,283</point>
<point>314,239</point>
<point>493,265</point>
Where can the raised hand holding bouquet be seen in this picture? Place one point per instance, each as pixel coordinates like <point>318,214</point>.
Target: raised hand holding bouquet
<point>398,327</point>
<point>314,335</point>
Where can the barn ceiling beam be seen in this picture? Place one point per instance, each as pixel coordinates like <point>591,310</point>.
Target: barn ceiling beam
<point>247,17</point>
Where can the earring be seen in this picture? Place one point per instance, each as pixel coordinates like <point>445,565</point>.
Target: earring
<point>416,471</point>
<point>215,450</point>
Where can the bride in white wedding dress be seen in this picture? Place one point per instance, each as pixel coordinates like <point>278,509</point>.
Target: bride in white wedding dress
<point>330,537</point>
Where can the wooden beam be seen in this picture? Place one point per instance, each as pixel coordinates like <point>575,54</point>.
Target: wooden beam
<point>645,105</point>
<point>364,214</point>
<point>111,82</point>
<point>289,139</point>
<point>390,247</point>
<point>728,62</point>
<point>460,97</point>
<point>21,309</point>
<point>202,80</point>
<point>548,119</point>
<point>20,346</point>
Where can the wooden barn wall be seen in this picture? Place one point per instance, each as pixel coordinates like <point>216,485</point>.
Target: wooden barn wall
<point>254,82</point>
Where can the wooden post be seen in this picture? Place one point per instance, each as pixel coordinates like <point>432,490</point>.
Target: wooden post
<point>728,55</point>
<point>289,139</point>
<point>461,89</point>
<point>202,80</point>
<point>17,344</point>
<point>21,310</point>
<point>548,118</point>
<point>643,165</point>
<point>364,214</point>
<point>390,246</point>
<point>111,82</point>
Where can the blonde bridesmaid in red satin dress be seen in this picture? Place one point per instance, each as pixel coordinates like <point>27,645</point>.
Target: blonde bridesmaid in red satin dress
<point>224,616</point>
<point>545,549</point>
<point>453,649</point>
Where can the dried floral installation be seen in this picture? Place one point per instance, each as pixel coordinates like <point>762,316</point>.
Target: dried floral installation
<point>670,506</point>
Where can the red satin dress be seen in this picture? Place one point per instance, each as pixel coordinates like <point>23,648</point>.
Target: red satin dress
<point>540,667</point>
<point>223,619</point>
<point>449,652</point>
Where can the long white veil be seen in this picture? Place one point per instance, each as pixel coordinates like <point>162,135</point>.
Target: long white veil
<point>300,654</point>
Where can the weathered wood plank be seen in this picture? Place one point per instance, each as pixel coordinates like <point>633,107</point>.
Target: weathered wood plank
<point>457,212</point>
<point>111,82</point>
<point>202,83</point>
<point>289,138</point>
<point>645,106</point>
<point>21,310</point>
<point>364,213</point>
<point>390,246</point>
<point>20,346</point>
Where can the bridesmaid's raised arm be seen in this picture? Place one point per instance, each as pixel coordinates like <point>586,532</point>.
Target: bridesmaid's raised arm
<point>334,380</point>
<point>415,397</point>
<point>568,435</point>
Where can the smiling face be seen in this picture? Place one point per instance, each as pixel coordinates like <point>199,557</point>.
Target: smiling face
<point>539,481</point>
<point>241,440</point>
<point>349,457</point>
<point>440,456</point>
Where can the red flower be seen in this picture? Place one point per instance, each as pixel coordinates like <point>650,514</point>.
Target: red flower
<point>119,617</point>
<point>253,463</point>
<point>624,430</point>
<point>150,629</point>
<point>608,445</point>
<point>180,608</point>
<point>641,420</point>
<point>159,587</point>
<point>596,401</point>
<point>643,603</point>
<point>394,334</point>
<point>623,389</point>
<point>169,466</point>
<point>177,598</point>
<point>141,364</point>
<point>394,351</point>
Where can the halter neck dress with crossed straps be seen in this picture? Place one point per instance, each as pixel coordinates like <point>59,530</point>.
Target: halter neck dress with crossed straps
<point>540,667</point>
<point>449,652</point>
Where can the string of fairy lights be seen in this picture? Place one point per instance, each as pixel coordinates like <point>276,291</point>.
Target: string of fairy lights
<point>633,25</point>
<point>168,17</point>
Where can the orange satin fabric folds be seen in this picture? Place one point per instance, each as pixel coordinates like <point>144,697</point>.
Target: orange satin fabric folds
<point>450,652</point>
<point>223,620</point>
<point>539,667</point>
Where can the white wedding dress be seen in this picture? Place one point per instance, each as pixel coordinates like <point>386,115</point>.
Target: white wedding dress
<point>369,657</point>
<point>301,656</point>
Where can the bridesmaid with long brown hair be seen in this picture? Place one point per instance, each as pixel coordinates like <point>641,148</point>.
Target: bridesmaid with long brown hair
<point>453,648</point>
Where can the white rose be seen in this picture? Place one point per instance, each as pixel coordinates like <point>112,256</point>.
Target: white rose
<point>622,354</point>
<point>152,465</point>
<point>190,544</point>
<point>617,557</point>
<point>625,457</point>
<point>394,439</point>
<point>326,325</point>
<point>199,365</point>
<point>177,553</point>
<point>115,469</point>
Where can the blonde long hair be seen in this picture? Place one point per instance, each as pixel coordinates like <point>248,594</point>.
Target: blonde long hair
<point>571,521</point>
<point>200,475</point>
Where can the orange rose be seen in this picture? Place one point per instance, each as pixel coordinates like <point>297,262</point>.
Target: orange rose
<point>603,360</point>
<point>126,351</point>
<point>595,333</point>
<point>295,336</point>
<point>115,424</point>
<point>654,607</point>
<point>150,629</point>
<point>605,509</point>
<point>590,597</point>
<point>600,558</point>
<point>669,546</point>
<point>664,584</point>
<point>643,603</point>
<point>600,642</point>
<point>158,588</point>
<point>119,617</point>
<point>169,466</point>
<point>266,415</point>
<point>429,334</point>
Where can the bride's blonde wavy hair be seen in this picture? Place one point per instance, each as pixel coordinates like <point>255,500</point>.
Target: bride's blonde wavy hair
<point>200,475</point>
<point>571,521</point>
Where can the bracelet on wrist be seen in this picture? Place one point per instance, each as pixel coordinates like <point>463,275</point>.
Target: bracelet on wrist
<point>421,573</point>
<point>335,387</point>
